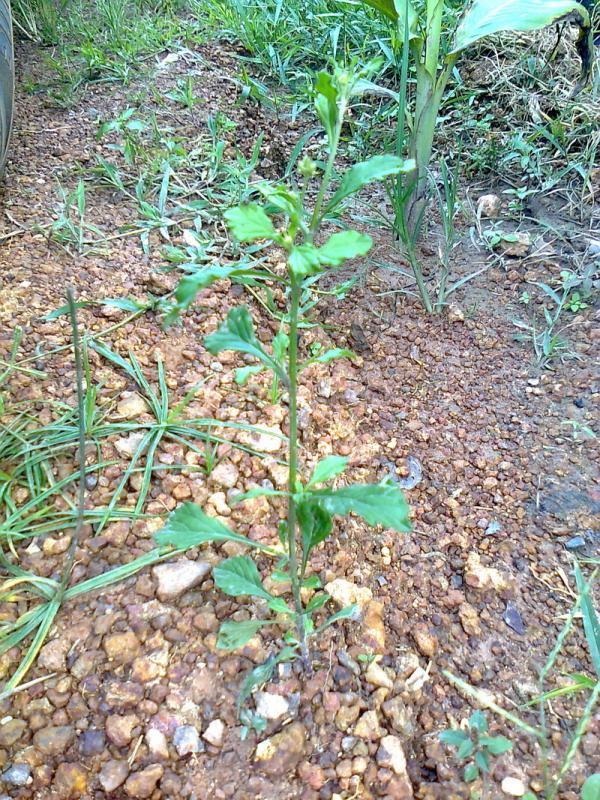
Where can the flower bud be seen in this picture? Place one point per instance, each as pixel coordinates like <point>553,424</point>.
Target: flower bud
<point>307,167</point>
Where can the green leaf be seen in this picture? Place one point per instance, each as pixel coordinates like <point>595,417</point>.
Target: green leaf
<point>373,169</point>
<point>315,523</point>
<point>482,759</point>
<point>471,773</point>
<point>377,504</point>
<point>478,722</point>
<point>348,612</point>
<point>189,286</point>
<point>259,491</point>
<point>189,526</point>
<point>580,682</point>
<point>486,17</point>
<point>326,102</point>
<point>239,575</point>
<point>466,749</point>
<point>233,635</point>
<point>279,606</point>
<point>591,788</point>
<point>243,374</point>
<point>496,745</point>
<point>304,260</point>
<point>342,246</point>
<point>237,333</point>
<point>327,356</point>
<point>385,7</point>
<point>328,468</point>
<point>453,738</point>
<point>263,672</point>
<point>591,623</point>
<point>249,222</point>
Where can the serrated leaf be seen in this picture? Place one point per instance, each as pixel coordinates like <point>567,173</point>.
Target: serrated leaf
<point>496,745</point>
<point>189,526</point>
<point>329,355</point>
<point>591,788</point>
<point>453,738</point>
<point>239,576</point>
<point>486,17</point>
<point>249,223</point>
<point>342,246</point>
<point>377,504</point>
<point>373,169</point>
<point>304,260</point>
<point>237,333</point>
<point>233,635</point>
<point>328,468</point>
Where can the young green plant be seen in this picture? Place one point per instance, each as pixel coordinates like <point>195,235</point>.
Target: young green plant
<point>285,218</point>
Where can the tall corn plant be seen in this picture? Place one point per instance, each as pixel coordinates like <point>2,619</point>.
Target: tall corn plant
<point>419,30</point>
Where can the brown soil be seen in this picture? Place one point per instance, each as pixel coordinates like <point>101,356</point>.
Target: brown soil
<point>462,397</point>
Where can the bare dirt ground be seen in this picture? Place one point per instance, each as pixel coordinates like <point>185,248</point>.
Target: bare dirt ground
<point>505,486</point>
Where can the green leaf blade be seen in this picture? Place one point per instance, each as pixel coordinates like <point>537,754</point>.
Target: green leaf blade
<point>373,169</point>
<point>328,468</point>
<point>342,246</point>
<point>249,223</point>
<point>379,504</point>
<point>189,526</point>
<point>239,576</point>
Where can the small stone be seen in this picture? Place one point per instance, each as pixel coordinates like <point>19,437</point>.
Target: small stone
<point>122,647</point>
<point>142,784</point>
<point>372,633</point>
<point>455,314</point>
<point>416,681</point>
<point>177,577</point>
<point>70,781</point>
<point>263,442</point>
<point>215,733</point>
<point>512,617</point>
<point>488,206</point>
<point>55,546</point>
<point>469,619</point>
<point>54,740</point>
<point>113,774</point>
<point>376,675</point>
<point>131,406</point>
<point>397,712</point>
<point>119,729</point>
<point>53,656</point>
<point>483,578</point>
<point>123,695</point>
<point>92,742</point>
<point>225,474</point>
<point>271,706</point>
<point>345,593</point>
<point>575,543</point>
<point>157,744</point>
<point>426,642</point>
<point>11,731</point>
<point>391,756</point>
<point>279,755</point>
<point>17,775</point>
<point>368,726</point>
<point>515,245</point>
<point>186,740</point>
<point>513,787</point>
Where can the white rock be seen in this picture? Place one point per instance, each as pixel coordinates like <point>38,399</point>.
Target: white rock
<point>179,576</point>
<point>215,732</point>
<point>263,442</point>
<point>489,206</point>
<point>345,593</point>
<point>129,444</point>
<point>391,755</point>
<point>186,740</point>
<point>225,474</point>
<point>271,706</point>
<point>513,787</point>
<point>157,744</point>
<point>376,675</point>
<point>516,245</point>
<point>131,406</point>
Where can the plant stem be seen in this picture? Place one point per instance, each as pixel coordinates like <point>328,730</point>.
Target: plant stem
<point>293,469</point>
<point>333,147</point>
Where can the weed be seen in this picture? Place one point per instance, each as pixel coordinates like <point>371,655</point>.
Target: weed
<point>475,746</point>
<point>285,219</point>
